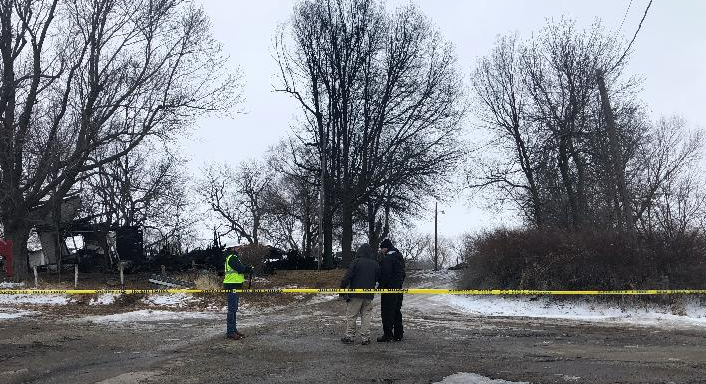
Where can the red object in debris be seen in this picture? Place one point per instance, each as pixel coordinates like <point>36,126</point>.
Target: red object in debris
<point>6,252</point>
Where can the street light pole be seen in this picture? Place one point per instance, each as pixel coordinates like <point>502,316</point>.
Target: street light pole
<point>436,237</point>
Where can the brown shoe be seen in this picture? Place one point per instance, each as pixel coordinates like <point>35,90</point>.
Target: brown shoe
<point>234,336</point>
<point>239,334</point>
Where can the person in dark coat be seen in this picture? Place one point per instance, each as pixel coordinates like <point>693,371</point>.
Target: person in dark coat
<point>363,273</point>
<point>392,275</point>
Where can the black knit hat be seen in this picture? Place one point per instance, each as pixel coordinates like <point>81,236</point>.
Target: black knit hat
<point>386,244</point>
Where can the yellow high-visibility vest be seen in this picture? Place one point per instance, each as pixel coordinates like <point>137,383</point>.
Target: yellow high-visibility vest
<point>231,275</point>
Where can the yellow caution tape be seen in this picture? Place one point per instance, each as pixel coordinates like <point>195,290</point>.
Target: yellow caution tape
<point>410,291</point>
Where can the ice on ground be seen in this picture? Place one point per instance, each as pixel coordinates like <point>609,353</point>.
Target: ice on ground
<point>10,285</point>
<point>146,315</point>
<point>169,300</point>
<point>472,378</point>
<point>35,299</point>
<point>7,314</point>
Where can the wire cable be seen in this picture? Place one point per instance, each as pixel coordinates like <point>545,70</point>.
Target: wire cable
<point>633,38</point>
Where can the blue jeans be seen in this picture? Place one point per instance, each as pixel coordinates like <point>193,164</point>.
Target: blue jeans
<point>232,309</point>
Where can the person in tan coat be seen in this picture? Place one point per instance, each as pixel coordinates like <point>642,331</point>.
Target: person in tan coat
<point>363,273</point>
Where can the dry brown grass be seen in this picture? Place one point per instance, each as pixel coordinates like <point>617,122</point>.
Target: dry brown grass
<point>208,280</point>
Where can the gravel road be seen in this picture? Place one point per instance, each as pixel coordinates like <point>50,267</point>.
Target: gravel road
<point>300,344</point>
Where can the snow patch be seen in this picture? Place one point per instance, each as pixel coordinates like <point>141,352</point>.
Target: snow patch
<point>35,299</point>
<point>7,314</point>
<point>10,285</point>
<point>169,300</point>
<point>320,298</point>
<point>472,378</point>
<point>543,307</point>
<point>105,299</point>
<point>147,315</point>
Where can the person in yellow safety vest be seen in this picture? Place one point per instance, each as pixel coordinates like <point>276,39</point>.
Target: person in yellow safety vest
<point>233,279</point>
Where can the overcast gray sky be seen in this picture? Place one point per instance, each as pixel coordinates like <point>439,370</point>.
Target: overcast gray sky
<point>669,54</point>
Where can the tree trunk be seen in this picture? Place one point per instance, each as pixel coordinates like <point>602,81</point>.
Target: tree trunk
<point>616,157</point>
<point>346,232</point>
<point>327,229</point>
<point>386,226</point>
<point>19,235</point>
<point>306,225</point>
<point>373,237</point>
<point>572,220</point>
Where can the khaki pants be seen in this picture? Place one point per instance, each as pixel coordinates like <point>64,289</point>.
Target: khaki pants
<point>354,308</point>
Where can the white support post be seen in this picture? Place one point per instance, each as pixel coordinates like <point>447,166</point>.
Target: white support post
<point>122,279</point>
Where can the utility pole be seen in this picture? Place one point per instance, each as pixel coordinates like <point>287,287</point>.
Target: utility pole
<point>436,236</point>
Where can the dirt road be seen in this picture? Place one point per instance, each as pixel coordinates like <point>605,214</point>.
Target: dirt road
<point>300,344</point>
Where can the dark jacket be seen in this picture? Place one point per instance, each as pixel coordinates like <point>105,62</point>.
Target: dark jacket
<point>392,272</point>
<point>363,273</point>
<point>239,267</point>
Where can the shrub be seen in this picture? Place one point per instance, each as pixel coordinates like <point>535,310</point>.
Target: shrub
<point>545,259</point>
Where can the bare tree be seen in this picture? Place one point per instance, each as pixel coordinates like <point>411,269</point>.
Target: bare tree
<point>295,197</point>
<point>79,77</point>
<point>132,189</point>
<point>502,101</point>
<point>146,188</point>
<point>414,246</point>
<point>382,99</point>
<point>540,101</point>
<point>238,197</point>
<point>574,150</point>
<point>664,176</point>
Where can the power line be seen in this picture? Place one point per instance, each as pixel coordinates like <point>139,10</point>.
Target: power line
<point>624,17</point>
<point>633,38</point>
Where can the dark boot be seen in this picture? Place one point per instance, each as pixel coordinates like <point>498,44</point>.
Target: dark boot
<point>384,339</point>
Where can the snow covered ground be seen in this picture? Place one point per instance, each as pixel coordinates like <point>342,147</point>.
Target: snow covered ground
<point>34,299</point>
<point>581,309</point>
<point>169,300</point>
<point>6,313</point>
<point>147,315</point>
<point>10,285</point>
